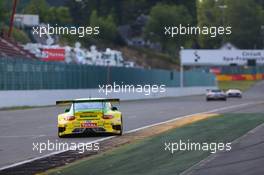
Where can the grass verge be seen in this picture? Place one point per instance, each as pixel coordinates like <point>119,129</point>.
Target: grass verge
<point>148,156</point>
<point>242,85</point>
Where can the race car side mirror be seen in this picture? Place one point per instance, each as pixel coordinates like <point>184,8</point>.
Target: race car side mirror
<point>114,108</point>
<point>67,110</point>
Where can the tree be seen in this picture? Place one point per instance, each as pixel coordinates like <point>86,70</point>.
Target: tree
<point>107,26</point>
<point>1,11</point>
<point>55,15</point>
<point>59,15</point>
<point>77,12</point>
<point>244,16</point>
<point>39,7</point>
<point>164,16</point>
<point>1,16</point>
<point>260,2</point>
<point>4,13</point>
<point>18,35</point>
<point>209,15</point>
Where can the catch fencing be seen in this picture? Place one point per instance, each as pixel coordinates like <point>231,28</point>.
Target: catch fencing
<point>21,74</point>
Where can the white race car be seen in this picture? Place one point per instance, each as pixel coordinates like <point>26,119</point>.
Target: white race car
<point>215,94</point>
<point>234,93</point>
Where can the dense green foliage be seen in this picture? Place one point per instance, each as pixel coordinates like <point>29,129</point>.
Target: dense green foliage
<point>244,16</point>
<point>167,15</point>
<point>246,33</point>
<point>20,36</point>
<point>108,29</point>
<point>54,15</point>
<point>1,11</point>
<point>124,11</point>
<point>247,30</point>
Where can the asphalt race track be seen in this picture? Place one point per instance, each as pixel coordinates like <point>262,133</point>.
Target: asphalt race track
<point>20,128</point>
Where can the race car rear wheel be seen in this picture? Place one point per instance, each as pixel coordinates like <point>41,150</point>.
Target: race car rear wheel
<point>121,127</point>
<point>59,131</point>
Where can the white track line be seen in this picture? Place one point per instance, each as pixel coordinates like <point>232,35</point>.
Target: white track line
<point>133,130</point>
<point>20,136</point>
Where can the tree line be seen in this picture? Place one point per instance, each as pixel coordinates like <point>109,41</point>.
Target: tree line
<point>246,17</point>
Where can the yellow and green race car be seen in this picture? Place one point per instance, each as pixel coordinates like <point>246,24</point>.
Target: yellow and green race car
<point>89,115</point>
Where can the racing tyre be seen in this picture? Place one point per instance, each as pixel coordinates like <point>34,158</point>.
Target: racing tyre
<point>60,136</point>
<point>121,127</point>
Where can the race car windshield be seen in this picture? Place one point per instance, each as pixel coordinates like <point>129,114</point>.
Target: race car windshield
<point>216,91</point>
<point>88,106</point>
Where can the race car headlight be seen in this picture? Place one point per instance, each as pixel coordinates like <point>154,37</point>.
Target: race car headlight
<point>108,116</point>
<point>69,118</point>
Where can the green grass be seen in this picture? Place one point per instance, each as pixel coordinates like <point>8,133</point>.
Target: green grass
<point>149,158</point>
<point>242,85</point>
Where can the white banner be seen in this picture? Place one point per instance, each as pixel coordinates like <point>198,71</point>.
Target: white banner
<point>220,57</point>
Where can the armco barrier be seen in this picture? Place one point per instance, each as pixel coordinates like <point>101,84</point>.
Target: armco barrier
<point>49,97</point>
<point>21,74</point>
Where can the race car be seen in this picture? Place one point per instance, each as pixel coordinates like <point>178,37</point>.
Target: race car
<point>234,93</point>
<point>89,115</point>
<point>215,94</point>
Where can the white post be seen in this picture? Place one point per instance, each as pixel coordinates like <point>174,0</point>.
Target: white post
<point>181,76</point>
<point>181,70</point>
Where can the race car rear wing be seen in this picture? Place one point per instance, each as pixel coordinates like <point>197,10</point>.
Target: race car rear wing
<point>67,102</point>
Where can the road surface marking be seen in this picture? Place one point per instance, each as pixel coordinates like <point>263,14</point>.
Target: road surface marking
<point>19,136</point>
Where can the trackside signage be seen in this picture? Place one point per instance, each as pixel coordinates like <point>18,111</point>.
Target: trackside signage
<point>221,57</point>
<point>53,54</point>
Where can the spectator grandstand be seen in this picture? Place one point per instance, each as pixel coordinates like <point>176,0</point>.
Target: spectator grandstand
<point>9,48</point>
